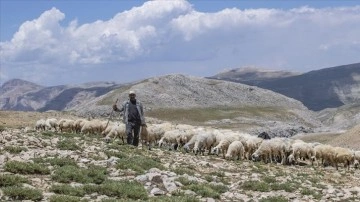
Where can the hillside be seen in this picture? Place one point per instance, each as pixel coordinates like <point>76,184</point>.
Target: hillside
<point>317,90</point>
<point>195,100</point>
<point>51,166</point>
<point>22,95</point>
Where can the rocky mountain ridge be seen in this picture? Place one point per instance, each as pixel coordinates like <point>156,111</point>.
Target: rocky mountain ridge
<point>319,89</point>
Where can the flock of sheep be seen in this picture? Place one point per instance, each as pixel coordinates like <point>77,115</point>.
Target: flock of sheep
<point>230,144</point>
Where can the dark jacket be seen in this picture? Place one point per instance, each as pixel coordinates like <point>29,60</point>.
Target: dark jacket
<point>125,109</point>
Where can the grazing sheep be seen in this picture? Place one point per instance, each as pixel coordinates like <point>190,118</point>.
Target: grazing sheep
<point>66,125</point>
<point>170,137</point>
<point>204,141</point>
<point>93,127</point>
<point>325,153</point>
<point>252,143</point>
<point>40,124</point>
<point>51,123</point>
<point>271,149</point>
<point>224,143</point>
<point>78,124</point>
<point>117,130</point>
<point>151,134</point>
<point>343,155</point>
<point>301,149</point>
<point>356,159</point>
<point>236,150</point>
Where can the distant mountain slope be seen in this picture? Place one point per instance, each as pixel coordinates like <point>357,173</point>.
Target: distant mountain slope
<point>252,75</point>
<point>22,95</point>
<point>317,90</point>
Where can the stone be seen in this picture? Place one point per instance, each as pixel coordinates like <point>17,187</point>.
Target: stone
<point>156,191</point>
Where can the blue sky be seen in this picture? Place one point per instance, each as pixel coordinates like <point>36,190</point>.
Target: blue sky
<point>59,42</point>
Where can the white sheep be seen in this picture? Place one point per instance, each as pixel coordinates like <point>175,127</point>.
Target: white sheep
<point>66,125</point>
<point>356,158</point>
<point>40,124</point>
<point>252,144</point>
<point>300,149</point>
<point>78,124</point>
<point>224,143</point>
<point>343,155</point>
<point>325,153</point>
<point>93,127</point>
<point>51,123</point>
<point>236,150</point>
<point>170,138</point>
<point>204,141</point>
<point>117,130</point>
<point>271,149</point>
<point>151,134</point>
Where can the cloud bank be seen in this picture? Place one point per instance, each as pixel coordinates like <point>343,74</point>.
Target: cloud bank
<point>162,37</point>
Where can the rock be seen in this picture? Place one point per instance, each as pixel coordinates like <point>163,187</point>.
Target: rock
<point>169,185</point>
<point>156,192</point>
<point>141,178</point>
<point>189,192</point>
<point>154,170</point>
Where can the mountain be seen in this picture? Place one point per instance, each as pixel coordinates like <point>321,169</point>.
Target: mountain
<point>317,90</point>
<point>253,75</point>
<point>22,95</point>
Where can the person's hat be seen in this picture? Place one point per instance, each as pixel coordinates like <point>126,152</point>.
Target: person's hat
<point>131,92</point>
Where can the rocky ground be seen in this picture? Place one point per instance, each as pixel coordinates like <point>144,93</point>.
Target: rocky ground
<point>48,166</point>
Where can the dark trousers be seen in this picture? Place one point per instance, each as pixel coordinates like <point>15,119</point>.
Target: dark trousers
<point>130,128</point>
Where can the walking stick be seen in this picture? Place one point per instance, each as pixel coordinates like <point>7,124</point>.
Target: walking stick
<point>111,113</point>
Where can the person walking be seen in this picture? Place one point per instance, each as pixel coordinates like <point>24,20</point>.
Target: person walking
<point>133,117</point>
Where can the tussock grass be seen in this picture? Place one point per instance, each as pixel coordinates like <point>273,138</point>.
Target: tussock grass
<point>68,144</point>
<point>26,168</point>
<point>56,161</point>
<point>65,198</point>
<point>22,193</point>
<point>12,180</point>
<point>274,199</point>
<point>182,170</point>
<point>119,189</point>
<point>66,189</point>
<point>69,173</point>
<point>255,186</point>
<point>139,164</point>
<point>206,190</point>
<point>15,149</point>
<point>174,198</point>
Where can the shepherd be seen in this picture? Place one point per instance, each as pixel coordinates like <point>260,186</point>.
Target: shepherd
<point>133,117</point>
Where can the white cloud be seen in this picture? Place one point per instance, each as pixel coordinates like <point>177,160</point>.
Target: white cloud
<point>168,32</point>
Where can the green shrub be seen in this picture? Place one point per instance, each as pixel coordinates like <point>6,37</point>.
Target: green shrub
<point>124,189</point>
<point>26,168</point>
<point>68,144</point>
<point>22,193</point>
<point>64,198</point>
<point>274,199</point>
<point>67,190</point>
<point>288,187</point>
<point>181,171</point>
<point>255,186</point>
<point>12,180</point>
<point>206,190</point>
<point>14,149</point>
<point>56,161</point>
<point>69,173</point>
<point>174,198</point>
<point>139,163</point>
